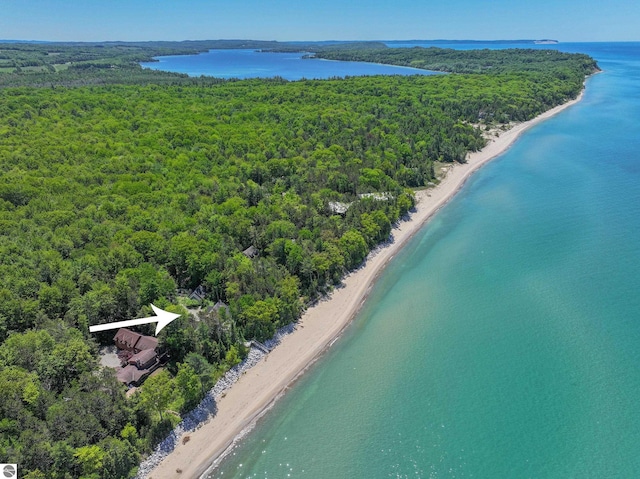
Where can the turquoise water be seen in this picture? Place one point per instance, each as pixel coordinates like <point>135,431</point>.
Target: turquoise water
<point>504,340</point>
<point>254,64</point>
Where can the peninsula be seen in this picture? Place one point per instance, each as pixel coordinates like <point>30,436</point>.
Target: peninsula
<point>236,204</point>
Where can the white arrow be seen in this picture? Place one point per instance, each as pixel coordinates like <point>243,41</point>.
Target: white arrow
<point>163,318</point>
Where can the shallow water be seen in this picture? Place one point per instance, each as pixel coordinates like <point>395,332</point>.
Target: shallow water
<point>503,341</point>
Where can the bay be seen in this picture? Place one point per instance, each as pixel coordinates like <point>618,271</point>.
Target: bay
<point>254,64</point>
<point>503,340</point>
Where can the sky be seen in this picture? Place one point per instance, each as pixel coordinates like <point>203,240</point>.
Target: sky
<point>137,20</point>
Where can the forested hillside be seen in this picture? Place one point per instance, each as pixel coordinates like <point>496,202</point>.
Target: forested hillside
<point>113,197</point>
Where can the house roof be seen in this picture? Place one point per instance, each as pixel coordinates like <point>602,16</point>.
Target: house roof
<point>220,304</point>
<point>250,252</point>
<point>378,196</point>
<point>217,307</point>
<point>338,207</point>
<point>131,374</point>
<point>127,337</point>
<point>146,342</point>
<point>143,357</point>
<point>199,293</point>
<point>132,340</point>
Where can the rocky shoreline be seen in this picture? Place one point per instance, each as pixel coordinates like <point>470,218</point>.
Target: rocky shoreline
<point>207,407</point>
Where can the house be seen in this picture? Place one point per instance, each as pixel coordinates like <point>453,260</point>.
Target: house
<point>139,353</point>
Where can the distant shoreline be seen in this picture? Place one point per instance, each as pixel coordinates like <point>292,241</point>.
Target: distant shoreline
<point>473,42</point>
<point>258,389</point>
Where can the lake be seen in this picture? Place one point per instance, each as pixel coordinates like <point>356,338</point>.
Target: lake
<point>255,64</point>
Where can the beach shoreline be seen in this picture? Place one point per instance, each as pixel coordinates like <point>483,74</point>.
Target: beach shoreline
<point>259,387</point>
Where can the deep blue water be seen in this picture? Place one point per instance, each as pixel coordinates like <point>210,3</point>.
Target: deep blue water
<point>504,340</point>
<point>254,64</point>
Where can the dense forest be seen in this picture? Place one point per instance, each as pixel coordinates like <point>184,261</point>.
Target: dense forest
<point>562,65</point>
<point>116,196</point>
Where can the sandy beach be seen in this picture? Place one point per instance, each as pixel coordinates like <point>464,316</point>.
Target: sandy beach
<point>256,390</point>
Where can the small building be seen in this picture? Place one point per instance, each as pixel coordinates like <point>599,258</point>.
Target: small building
<point>220,314</point>
<point>339,207</point>
<point>218,308</point>
<point>251,252</point>
<point>379,196</point>
<point>198,294</point>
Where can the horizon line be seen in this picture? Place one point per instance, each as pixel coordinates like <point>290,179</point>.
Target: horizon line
<point>413,40</point>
